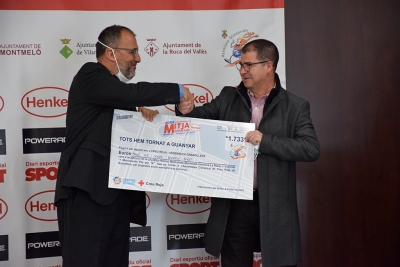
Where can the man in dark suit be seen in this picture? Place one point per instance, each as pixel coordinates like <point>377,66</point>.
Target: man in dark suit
<point>94,219</point>
<point>285,134</point>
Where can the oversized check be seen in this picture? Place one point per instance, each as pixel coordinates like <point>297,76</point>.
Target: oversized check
<point>181,155</point>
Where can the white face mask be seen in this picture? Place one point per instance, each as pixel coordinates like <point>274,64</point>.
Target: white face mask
<point>120,75</point>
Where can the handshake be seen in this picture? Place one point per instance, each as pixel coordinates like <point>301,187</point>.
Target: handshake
<point>187,102</point>
<point>185,106</point>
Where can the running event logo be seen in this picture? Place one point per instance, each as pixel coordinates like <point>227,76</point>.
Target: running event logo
<point>117,180</point>
<point>180,127</point>
<point>232,49</point>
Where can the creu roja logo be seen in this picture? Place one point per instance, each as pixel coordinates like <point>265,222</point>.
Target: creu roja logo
<point>41,206</point>
<point>46,102</point>
<point>188,204</point>
<point>200,94</point>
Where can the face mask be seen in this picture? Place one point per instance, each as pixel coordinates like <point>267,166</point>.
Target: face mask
<point>120,75</point>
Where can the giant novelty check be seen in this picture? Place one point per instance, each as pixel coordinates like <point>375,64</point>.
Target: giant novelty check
<point>181,155</point>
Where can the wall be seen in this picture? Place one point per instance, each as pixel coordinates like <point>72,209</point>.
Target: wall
<point>343,56</point>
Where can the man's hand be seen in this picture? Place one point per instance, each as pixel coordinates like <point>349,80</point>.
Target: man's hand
<point>187,102</point>
<point>254,137</point>
<point>147,113</point>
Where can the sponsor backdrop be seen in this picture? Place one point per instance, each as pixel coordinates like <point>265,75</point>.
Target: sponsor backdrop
<point>42,46</point>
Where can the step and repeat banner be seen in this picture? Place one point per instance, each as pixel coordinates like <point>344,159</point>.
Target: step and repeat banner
<point>42,46</point>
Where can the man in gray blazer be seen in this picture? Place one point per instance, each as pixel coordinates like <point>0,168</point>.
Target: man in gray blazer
<point>284,135</point>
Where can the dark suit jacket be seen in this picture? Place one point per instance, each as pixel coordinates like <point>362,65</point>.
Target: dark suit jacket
<point>288,136</point>
<point>84,161</point>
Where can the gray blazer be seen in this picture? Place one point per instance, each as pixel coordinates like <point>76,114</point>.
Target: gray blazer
<point>288,136</point>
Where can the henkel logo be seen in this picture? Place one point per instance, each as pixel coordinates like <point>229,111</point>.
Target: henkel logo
<point>140,239</point>
<point>41,206</point>
<point>185,236</point>
<point>46,102</point>
<point>147,201</point>
<point>188,204</point>
<point>36,174</point>
<point>1,103</point>
<point>3,209</point>
<point>200,94</point>
<point>42,245</point>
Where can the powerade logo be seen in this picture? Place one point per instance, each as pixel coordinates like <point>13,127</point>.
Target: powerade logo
<point>43,140</point>
<point>43,245</point>
<point>185,236</point>
<point>3,247</point>
<point>140,239</point>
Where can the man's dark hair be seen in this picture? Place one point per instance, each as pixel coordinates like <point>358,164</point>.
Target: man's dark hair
<point>265,50</point>
<point>110,36</point>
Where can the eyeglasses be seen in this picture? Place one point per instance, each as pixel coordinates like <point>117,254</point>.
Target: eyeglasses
<point>247,65</point>
<point>133,51</point>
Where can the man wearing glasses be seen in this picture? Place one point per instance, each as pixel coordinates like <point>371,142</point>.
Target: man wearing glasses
<point>93,219</point>
<point>284,134</point>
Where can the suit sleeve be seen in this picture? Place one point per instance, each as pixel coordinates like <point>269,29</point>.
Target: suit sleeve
<point>99,87</point>
<point>304,145</point>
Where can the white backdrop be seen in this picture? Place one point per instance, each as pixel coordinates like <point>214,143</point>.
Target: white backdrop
<point>41,51</point>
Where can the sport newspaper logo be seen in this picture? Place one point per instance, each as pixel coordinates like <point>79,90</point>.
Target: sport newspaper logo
<point>140,239</point>
<point>42,245</point>
<point>185,236</point>
<point>43,140</point>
